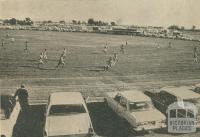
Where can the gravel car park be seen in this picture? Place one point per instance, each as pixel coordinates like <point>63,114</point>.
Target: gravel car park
<point>10,110</point>
<point>67,114</point>
<point>137,109</point>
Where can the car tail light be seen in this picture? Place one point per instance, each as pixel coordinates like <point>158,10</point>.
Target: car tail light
<point>90,131</point>
<point>45,134</point>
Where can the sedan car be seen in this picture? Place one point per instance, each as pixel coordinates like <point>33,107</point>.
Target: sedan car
<point>168,95</point>
<point>10,110</point>
<point>67,115</point>
<point>137,109</point>
<point>197,88</point>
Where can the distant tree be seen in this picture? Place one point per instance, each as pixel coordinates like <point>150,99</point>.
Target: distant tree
<point>182,28</point>
<point>113,23</point>
<point>49,21</point>
<point>83,22</point>
<point>91,21</point>
<point>74,21</point>
<point>193,27</point>
<point>21,22</point>
<point>79,22</point>
<point>6,21</point>
<point>13,21</point>
<point>28,21</point>
<point>62,22</point>
<point>44,22</point>
<point>99,23</point>
<point>174,27</point>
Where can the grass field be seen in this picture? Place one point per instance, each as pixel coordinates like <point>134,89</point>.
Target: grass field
<point>144,64</point>
<point>143,61</point>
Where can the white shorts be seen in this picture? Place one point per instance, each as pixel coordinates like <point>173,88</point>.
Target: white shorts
<point>45,56</point>
<point>41,61</point>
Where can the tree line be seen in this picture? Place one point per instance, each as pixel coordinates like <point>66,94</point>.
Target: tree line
<point>13,21</point>
<point>176,27</point>
<point>90,21</point>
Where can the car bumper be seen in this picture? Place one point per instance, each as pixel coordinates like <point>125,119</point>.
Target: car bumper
<point>150,127</point>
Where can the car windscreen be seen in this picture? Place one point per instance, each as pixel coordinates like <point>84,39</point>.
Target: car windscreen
<point>66,109</point>
<point>139,106</point>
<point>196,102</point>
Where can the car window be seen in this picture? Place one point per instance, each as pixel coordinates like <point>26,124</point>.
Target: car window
<point>139,106</point>
<point>181,113</point>
<point>173,113</point>
<point>66,109</point>
<point>190,113</point>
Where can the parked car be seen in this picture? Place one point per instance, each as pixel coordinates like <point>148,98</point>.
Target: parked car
<point>137,109</point>
<point>67,115</point>
<point>197,88</point>
<point>10,110</point>
<point>168,95</point>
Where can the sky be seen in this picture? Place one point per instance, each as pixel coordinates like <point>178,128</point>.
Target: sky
<point>131,12</point>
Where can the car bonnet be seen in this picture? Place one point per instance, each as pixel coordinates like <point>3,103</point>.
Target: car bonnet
<point>147,116</point>
<point>68,124</point>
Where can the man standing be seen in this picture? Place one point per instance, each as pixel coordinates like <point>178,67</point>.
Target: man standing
<point>122,49</point>
<point>115,58</point>
<point>64,53</point>
<point>45,55</point>
<point>22,95</point>
<point>108,64</point>
<point>3,44</point>
<point>26,46</point>
<point>61,62</point>
<point>105,49</point>
<point>40,60</point>
<point>126,43</point>
<point>195,54</point>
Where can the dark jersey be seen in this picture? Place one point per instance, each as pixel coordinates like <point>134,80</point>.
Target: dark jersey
<point>22,94</point>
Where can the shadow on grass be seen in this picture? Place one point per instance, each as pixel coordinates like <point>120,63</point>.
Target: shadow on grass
<point>32,60</point>
<point>36,67</point>
<point>97,52</point>
<point>91,68</point>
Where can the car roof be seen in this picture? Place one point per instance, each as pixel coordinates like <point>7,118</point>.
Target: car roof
<point>135,96</point>
<point>197,85</point>
<point>181,92</point>
<point>59,98</point>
